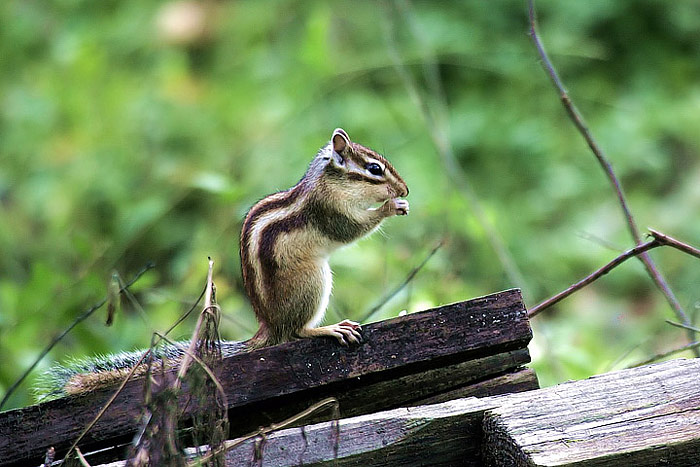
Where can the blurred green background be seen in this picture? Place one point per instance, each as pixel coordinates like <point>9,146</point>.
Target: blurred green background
<point>135,131</point>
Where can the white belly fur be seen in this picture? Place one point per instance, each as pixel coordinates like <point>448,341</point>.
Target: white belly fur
<point>325,295</point>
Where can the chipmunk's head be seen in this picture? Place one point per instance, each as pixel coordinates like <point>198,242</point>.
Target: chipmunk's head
<point>362,173</point>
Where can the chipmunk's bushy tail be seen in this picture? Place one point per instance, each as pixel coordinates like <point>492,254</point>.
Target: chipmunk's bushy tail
<point>80,375</point>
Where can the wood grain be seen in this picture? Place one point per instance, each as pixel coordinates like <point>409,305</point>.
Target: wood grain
<point>443,434</point>
<point>518,380</point>
<point>644,416</point>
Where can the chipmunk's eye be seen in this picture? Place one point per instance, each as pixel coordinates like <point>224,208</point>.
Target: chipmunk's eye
<point>374,168</point>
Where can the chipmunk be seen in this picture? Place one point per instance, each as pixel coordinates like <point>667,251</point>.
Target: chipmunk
<point>286,239</point>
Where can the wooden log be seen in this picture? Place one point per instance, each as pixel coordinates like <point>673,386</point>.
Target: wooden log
<point>442,434</point>
<point>292,372</point>
<point>644,416</point>
<point>482,377</point>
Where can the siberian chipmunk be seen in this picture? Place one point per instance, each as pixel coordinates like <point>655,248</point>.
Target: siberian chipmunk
<point>288,236</point>
<point>286,240</point>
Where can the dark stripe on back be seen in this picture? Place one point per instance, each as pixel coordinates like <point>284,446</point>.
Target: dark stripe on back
<point>254,214</point>
<point>263,207</point>
<point>266,249</point>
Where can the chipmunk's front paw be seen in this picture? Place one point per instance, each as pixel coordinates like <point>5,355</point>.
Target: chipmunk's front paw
<point>400,206</point>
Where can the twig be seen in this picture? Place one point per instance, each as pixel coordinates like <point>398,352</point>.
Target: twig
<point>332,401</point>
<point>683,326</point>
<point>77,321</point>
<point>611,366</point>
<point>580,124</point>
<point>660,239</point>
<point>189,312</point>
<point>578,121</point>
<point>600,241</point>
<point>534,311</point>
<point>203,365</point>
<point>691,346</point>
<point>83,461</point>
<point>677,244</point>
<point>127,378</point>
<point>187,358</point>
<point>403,284</point>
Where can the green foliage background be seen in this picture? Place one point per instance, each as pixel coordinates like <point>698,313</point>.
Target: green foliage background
<point>122,142</point>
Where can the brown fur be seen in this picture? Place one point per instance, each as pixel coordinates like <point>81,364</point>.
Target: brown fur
<point>287,237</point>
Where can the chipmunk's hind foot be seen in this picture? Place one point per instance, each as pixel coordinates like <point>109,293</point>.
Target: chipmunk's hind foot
<point>347,332</point>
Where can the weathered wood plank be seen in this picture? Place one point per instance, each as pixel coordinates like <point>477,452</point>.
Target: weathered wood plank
<point>443,434</point>
<point>481,377</point>
<point>519,380</point>
<point>644,416</point>
<point>441,336</point>
<point>394,348</point>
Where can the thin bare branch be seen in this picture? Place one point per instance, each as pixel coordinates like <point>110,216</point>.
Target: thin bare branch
<point>677,244</point>
<point>683,326</point>
<point>403,284</point>
<point>189,312</point>
<point>657,357</point>
<point>580,124</point>
<point>187,358</point>
<point>660,239</point>
<point>58,338</point>
<point>330,401</point>
<point>534,311</point>
<point>600,241</point>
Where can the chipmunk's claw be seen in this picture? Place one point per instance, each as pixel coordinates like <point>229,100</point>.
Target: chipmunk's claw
<point>347,332</point>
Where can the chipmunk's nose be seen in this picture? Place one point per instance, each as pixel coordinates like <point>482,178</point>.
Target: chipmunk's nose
<point>398,189</point>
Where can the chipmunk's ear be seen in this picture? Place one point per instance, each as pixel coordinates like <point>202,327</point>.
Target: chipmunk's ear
<point>340,141</point>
